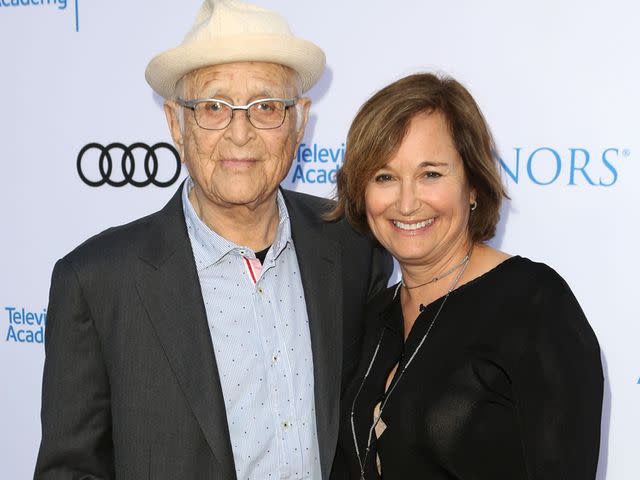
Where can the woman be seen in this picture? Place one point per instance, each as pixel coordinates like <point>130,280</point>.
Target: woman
<point>477,365</point>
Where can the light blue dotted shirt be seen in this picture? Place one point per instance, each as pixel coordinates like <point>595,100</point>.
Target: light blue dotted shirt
<point>262,346</point>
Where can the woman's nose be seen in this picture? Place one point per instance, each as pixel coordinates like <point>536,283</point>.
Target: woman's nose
<point>408,202</point>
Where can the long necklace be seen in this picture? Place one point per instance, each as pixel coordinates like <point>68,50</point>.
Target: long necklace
<point>363,461</point>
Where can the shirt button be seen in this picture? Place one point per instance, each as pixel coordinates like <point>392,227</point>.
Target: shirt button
<point>286,424</point>
<point>260,290</point>
<point>242,252</point>
<point>274,359</point>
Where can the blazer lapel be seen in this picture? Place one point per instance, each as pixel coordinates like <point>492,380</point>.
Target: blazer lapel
<point>320,266</point>
<point>168,285</point>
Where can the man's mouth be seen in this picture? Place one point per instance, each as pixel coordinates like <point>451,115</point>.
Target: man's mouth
<point>238,163</point>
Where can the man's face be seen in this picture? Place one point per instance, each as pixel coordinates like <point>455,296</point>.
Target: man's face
<point>239,165</point>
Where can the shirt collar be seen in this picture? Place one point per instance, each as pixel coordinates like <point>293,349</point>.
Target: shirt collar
<point>210,247</point>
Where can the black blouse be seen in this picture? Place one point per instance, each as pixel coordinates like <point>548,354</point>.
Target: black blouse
<point>508,385</point>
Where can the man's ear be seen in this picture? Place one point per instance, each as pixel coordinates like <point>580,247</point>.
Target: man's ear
<point>172,112</point>
<point>305,103</point>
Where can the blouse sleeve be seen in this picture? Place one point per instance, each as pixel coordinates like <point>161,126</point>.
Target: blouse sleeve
<point>558,388</point>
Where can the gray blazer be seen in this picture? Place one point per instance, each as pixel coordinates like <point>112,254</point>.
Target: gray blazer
<point>131,389</point>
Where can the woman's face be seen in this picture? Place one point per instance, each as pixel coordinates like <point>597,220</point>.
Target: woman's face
<point>418,204</point>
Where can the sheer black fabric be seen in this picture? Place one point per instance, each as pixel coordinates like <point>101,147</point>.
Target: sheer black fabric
<point>262,254</point>
<point>508,385</point>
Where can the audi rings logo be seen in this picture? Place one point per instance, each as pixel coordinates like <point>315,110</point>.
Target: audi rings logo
<point>117,163</point>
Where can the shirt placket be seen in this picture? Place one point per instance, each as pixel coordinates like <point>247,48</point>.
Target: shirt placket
<point>278,375</point>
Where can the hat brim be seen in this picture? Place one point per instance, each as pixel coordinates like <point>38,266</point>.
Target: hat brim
<point>166,69</point>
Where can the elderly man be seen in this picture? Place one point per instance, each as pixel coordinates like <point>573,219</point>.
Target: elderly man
<point>209,340</point>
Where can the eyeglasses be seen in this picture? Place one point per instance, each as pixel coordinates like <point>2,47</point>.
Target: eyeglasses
<point>216,114</point>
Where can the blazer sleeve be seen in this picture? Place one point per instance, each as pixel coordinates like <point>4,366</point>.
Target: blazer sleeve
<point>76,418</point>
<point>558,388</point>
<point>381,270</point>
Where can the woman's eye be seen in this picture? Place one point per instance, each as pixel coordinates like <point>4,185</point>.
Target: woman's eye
<point>382,178</point>
<point>432,174</point>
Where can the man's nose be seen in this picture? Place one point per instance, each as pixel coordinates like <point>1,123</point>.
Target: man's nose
<point>240,130</point>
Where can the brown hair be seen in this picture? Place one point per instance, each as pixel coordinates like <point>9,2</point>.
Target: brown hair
<point>382,123</point>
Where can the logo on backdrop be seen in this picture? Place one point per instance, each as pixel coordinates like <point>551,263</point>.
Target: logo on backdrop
<point>24,325</point>
<point>116,163</point>
<point>53,5</point>
<point>574,166</point>
<point>316,163</point>
<point>539,166</point>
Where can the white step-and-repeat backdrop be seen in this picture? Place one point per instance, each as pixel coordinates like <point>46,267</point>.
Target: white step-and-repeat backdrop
<point>558,82</point>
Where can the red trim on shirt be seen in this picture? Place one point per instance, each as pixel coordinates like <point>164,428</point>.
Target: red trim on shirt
<point>253,276</point>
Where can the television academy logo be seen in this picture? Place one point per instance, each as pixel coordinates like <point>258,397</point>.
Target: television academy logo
<point>59,5</point>
<point>317,163</point>
<point>24,325</point>
<point>116,164</point>
<point>540,166</point>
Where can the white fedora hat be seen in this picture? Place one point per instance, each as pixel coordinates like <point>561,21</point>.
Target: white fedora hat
<point>227,31</point>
